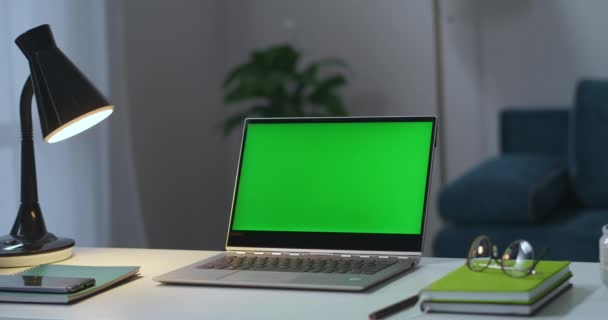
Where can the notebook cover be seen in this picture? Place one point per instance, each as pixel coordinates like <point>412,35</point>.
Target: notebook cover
<point>492,285</point>
<point>495,309</point>
<point>104,278</point>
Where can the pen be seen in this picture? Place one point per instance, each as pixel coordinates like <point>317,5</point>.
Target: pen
<point>394,308</point>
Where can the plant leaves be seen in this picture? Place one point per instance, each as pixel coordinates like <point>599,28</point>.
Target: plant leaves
<point>278,58</point>
<point>238,72</point>
<point>332,104</point>
<point>335,106</point>
<point>236,120</point>
<point>272,75</point>
<point>286,59</point>
<point>269,86</point>
<point>308,76</point>
<point>330,84</point>
<point>322,96</point>
<point>304,79</point>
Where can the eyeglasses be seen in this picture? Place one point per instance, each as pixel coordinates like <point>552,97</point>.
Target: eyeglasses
<point>518,260</point>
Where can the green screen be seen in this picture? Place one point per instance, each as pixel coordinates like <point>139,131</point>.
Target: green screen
<point>361,177</point>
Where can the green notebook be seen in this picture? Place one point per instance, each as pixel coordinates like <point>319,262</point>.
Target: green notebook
<point>104,278</point>
<point>493,286</point>
<point>495,308</point>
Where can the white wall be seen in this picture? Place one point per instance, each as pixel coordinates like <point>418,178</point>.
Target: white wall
<point>513,53</point>
<point>72,189</point>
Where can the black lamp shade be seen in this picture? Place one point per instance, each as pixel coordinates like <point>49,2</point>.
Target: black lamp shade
<point>67,101</point>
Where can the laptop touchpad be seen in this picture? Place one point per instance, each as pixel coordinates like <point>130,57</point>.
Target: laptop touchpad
<point>264,277</point>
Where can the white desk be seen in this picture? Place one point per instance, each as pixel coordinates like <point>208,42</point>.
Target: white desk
<point>146,299</point>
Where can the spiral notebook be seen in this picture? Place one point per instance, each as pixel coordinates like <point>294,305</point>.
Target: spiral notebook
<point>105,277</point>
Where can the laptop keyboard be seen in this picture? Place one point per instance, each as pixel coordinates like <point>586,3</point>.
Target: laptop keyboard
<point>300,264</point>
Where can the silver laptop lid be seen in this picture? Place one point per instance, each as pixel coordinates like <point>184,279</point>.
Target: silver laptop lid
<point>339,185</point>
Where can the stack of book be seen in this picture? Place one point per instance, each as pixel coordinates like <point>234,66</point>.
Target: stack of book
<point>493,292</point>
<point>105,278</point>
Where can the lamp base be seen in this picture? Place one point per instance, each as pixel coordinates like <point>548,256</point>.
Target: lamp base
<point>14,253</point>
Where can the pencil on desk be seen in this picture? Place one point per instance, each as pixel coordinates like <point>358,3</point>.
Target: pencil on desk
<point>394,308</point>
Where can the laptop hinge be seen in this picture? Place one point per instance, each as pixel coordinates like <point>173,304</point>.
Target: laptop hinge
<point>343,255</point>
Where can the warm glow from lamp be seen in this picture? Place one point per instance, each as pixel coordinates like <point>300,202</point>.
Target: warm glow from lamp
<point>79,124</point>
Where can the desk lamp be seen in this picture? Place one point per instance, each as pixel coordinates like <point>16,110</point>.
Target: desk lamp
<point>67,104</point>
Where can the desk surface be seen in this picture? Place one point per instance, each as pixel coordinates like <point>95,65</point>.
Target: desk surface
<point>145,298</point>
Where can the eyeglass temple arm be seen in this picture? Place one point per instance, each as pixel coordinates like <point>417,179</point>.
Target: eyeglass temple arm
<point>540,257</point>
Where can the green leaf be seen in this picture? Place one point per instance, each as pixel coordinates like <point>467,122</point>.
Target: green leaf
<point>322,96</point>
<point>280,58</point>
<point>331,83</point>
<point>237,72</point>
<point>335,106</point>
<point>330,102</point>
<point>308,76</point>
<point>272,75</point>
<point>302,80</point>
<point>236,120</point>
<point>285,58</point>
<point>261,111</point>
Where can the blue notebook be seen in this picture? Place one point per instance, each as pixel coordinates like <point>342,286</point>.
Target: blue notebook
<point>104,278</point>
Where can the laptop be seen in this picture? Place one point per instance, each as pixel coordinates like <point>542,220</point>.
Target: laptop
<point>324,203</point>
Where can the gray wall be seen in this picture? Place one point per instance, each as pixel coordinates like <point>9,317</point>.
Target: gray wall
<point>461,79</point>
<point>176,54</point>
<point>172,56</point>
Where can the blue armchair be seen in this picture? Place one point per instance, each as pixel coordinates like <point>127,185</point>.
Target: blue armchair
<point>549,185</point>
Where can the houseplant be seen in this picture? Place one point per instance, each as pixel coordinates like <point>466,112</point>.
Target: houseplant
<point>273,84</point>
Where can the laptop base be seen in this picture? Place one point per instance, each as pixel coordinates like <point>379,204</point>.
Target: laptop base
<point>194,274</point>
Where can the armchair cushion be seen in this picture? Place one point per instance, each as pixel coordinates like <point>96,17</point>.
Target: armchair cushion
<point>511,189</point>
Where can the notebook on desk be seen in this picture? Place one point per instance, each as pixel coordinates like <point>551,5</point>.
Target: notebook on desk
<point>324,203</point>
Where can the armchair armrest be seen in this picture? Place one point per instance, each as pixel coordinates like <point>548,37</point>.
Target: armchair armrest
<point>516,189</point>
<point>543,131</point>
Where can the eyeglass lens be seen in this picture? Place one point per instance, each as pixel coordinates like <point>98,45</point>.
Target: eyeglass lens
<point>518,259</point>
<point>480,254</point>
